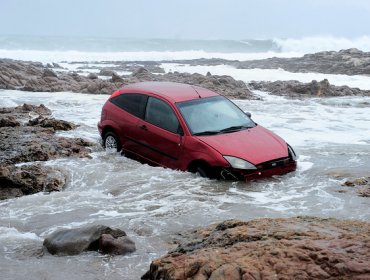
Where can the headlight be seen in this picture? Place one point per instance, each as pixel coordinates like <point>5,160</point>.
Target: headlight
<point>291,152</point>
<point>239,163</point>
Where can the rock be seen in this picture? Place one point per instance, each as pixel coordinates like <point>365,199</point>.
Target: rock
<point>91,238</point>
<point>116,245</point>
<point>348,62</point>
<point>298,89</point>
<point>92,76</point>
<point>9,121</point>
<point>51,122</point>
<point>49,73</point>
<point>116,78</point>
<point>36,141</point>
<point>364,192</point>
<point>27,135</point>
<point>22,180</point>
<point>107,72</point>
<point>292,248</point>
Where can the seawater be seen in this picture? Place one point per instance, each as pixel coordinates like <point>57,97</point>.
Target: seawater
<point>152,204</point>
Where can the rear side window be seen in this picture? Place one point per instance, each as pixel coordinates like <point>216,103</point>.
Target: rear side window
<point>132,103</point>
<point>161,114</point>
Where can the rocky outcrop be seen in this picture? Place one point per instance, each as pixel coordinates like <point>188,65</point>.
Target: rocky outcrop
<point>224,85</point>
<point>361,184</point>
<point>91,238</point>
<point>22,180</point>
<point>348,62</point>
<point>28,134</point>
<point>31,76</point>
<point>294,248</point>
<point>35,77</point>
<point>314,88</point>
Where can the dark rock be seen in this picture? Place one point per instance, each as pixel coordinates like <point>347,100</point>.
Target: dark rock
<point>22,180</point>
<point>36,141</point>
<point>106,72</point>
<point>92,76</point>
<point>9,121</point>
<point>122,245</point>
<point>298,89</point>
<point>49,73</point>
<point>294,248</point>
<point>116,78</point>
<point>92,238</point>
<point>53,123</point>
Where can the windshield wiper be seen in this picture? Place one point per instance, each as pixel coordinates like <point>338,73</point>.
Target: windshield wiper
<point>207,133</point>
<point>234,128</point>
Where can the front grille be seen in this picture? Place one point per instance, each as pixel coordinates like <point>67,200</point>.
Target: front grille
<point>273,163</point>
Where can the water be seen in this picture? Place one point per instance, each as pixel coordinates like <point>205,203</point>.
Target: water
<point>152,204</point>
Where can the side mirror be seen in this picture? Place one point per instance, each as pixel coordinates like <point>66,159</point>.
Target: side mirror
<point>248,114</point>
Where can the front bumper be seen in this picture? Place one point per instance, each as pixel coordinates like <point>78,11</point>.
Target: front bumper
<point>264,170</point>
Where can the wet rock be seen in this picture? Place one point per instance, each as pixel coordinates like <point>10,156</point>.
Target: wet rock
<point>107,72</point>
<point>314,88</point>
<point>34,139</point>
<point>294,248</point>
<point>35,77</point>
<point>92,76</point>
<point>348,62</point>
<point>357,182</point>
<point>51,122</point>
<point>49,73</point>
<point>364,192</point>
<point>28,135</point>
<point>9,121</point>
<point>91,238</point>
<point>22,180</point>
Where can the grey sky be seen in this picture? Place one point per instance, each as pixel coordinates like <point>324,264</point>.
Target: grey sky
<point>189,19</point>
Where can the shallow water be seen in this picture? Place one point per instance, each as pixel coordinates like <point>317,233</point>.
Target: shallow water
<point>152,204</point>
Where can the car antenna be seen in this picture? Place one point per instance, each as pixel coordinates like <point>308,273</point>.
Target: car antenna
<point>196,91</point>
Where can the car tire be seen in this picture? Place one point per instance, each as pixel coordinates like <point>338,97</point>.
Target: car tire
<point>111,142</point>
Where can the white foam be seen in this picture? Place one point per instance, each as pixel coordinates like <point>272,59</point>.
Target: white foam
<point>327,43</point>
<point>59,56</point>
<point>248,75</point>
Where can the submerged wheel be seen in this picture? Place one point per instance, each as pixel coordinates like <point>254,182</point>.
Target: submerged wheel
<point>111,142</point>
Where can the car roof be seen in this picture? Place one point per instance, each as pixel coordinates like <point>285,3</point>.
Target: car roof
<point>175,92</point>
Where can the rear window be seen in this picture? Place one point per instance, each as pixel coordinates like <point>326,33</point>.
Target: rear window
<point>132,103</point>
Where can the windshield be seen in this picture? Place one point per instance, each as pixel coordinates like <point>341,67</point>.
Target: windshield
<point>213,115</point>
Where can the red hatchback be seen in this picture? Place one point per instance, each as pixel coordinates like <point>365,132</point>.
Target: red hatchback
<point>191,129</point>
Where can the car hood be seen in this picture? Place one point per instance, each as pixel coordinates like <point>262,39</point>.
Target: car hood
<point>255,145</point>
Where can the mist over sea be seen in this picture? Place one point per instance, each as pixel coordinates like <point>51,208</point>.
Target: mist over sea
<point>57,49</point>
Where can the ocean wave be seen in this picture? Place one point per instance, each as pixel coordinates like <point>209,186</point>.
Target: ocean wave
<point>82,56</point>
<point>317,44</point>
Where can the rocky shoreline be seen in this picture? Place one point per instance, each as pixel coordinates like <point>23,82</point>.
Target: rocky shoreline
<point>28,135</point>
<point>33,76</point>
<point>293,248</point>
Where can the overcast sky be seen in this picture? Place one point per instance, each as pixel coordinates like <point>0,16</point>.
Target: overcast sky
<point>190,19</point>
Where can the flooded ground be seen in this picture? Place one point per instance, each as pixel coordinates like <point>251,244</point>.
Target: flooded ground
<point>152,204</point>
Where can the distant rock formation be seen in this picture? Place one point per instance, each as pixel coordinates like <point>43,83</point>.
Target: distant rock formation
<point>312,89</point>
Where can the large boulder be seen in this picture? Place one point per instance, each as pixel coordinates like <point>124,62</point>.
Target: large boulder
<point>91,238</point>
<point>294,248</point>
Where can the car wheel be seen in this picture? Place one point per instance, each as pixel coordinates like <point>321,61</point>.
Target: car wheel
<point>111,142</point>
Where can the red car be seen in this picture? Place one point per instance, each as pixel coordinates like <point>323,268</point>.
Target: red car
<point>192,129</point>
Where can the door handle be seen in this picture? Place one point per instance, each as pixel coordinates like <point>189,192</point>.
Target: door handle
<point>143,127</point>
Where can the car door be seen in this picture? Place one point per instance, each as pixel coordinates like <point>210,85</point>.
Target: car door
<point>131,109</point>
<point>160,133</point>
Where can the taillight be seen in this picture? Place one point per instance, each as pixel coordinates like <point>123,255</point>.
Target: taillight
<point>114,94</point>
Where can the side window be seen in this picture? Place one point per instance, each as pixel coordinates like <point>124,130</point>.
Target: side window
<point>131,103</point>
<point>161,114</point>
